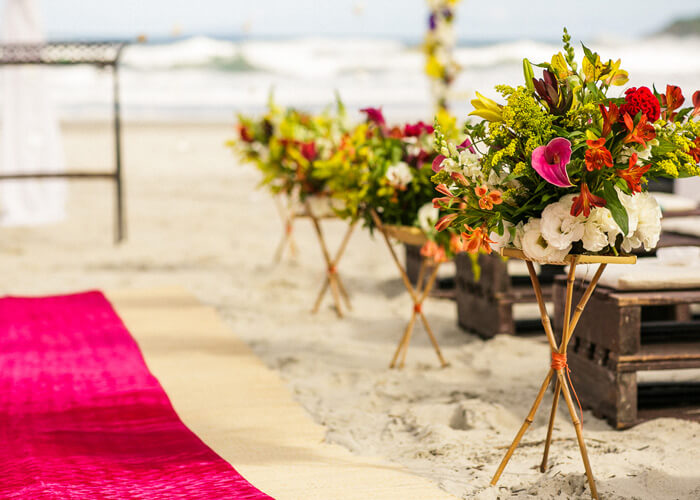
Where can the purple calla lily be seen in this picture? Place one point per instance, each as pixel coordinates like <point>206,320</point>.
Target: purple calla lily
<point>550,162</point>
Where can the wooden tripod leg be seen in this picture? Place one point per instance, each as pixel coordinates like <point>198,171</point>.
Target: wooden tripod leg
<point>343,292</point>
<point>403,343</point>
<point>433,340</point>
<point>528,420</point>
<point>400,346</point>
<point>333,280</point>
<point>324,288</point>
<point>565,336</point>
<point>550,429</point>
<point>579,433</point>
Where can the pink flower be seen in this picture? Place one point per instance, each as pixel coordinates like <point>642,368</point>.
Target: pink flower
<point>417,129</point>
<point>550,161</point>
<point>374,115</point>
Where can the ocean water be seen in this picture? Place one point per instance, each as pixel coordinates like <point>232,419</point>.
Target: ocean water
<point>203,78</point>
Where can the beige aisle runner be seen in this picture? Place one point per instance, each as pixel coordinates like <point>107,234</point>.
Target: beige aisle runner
<point>243,411</point>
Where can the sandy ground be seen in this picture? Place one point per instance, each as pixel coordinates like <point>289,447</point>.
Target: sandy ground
<point>196,220</point>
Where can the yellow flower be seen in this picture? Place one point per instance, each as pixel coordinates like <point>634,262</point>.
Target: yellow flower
<point>487,109</point>
<point>592,72</point>
<point>433,68</point>
<point>559,66</point>
<point>615,75</point>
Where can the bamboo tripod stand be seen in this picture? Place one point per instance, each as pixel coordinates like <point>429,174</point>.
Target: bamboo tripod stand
<point>559,366</point>
<point>332,280</point>
<point>287,215</point>
<point>418,295</point>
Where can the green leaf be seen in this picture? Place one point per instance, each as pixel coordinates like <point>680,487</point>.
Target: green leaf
<point>529,75</point>
<point>589,55</point>
<point>615,206</point>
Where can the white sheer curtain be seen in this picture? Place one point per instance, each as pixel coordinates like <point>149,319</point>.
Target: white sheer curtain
<point>30,140</point>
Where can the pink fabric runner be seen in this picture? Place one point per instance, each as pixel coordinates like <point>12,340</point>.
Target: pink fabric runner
<point>81,416</point>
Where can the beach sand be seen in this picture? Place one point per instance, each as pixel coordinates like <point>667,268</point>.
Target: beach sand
<point>196,220</point>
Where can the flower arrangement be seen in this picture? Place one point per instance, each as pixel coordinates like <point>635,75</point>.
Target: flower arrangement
<point>561,167</point>
<point>286,144</point>
<point>387,170</point>
<point>440,65</point>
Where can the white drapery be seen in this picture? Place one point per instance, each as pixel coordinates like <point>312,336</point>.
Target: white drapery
<point>30,141</point>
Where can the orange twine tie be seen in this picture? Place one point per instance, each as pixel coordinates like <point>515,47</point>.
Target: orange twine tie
<point>559,363</point>
<point>289,228</point>
<point>417,307</point>
<point>332,270</point>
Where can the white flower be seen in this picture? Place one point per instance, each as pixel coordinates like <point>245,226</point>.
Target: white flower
<point>600,230</point>
<point>427,217</point>
<point>450,166</point>
<point>648,228</point>
<point>399,175</point>
<point>559,228</point>
<point>470,165</point>
<point>500,241</point>
<point>629,202</point>
<point>536,247</point>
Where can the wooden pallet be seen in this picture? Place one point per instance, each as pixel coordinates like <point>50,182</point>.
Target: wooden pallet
<point>624,332</point>
<point>485,306</point>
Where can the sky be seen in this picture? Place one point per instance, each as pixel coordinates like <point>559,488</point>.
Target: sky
<point>483,19</point>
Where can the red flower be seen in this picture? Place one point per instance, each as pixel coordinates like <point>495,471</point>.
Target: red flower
<point>417,129</point>
<point>244,133</point>
<point>598,156</point>
<point>695,152</point>
<point>308,150</point>
<point>374,115</point>
<point>633,174</point>
<point>610,117</point>
<point>696,103</point>
<point>672,100</point>
<point>641,132</point>
<point>476,239</point>
<point>584,202</point>
<point>641,99</point>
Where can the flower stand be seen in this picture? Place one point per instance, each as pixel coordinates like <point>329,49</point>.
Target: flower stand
<point>332,280</point>
<point>411,236</point>
<point>285,208</point>
<point>559,367</point>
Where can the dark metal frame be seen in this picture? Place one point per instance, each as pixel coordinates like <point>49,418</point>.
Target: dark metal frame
<point>100,54</point>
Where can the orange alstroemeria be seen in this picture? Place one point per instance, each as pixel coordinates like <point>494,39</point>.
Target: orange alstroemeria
<point>445,222</point>
<point>597,155</point>
<point>433,251</point>
<point>610,117</point>
<point>632,175</point>
<point>488,199</point>
<point>456,244</point>
<point>640,133</point>
<point>476,239</point>
<point>672,100</point>
<point>585,201</point>
<point>445,200</point>
<point>696,103</point>
<point>695,151</point>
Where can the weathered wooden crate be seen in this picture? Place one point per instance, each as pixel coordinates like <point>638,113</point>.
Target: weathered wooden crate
<point>624,332</point>
<point>485,305</point>
<point>444,286</point>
